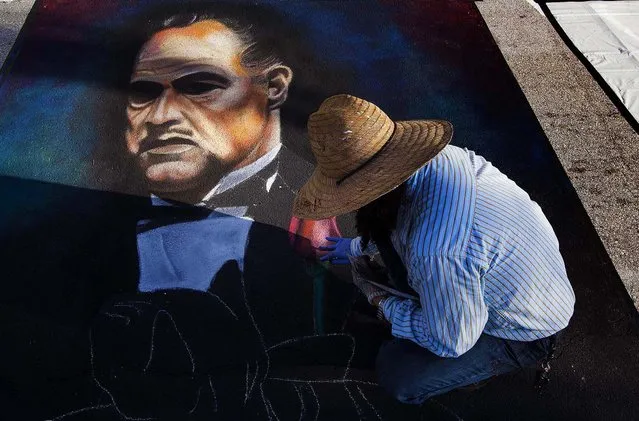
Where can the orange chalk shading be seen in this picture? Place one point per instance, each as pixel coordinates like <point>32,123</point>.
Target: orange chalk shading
<point>199,30</point>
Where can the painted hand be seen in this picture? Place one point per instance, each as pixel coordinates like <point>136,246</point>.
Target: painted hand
<point>339,251</point>
<point>361,274</point>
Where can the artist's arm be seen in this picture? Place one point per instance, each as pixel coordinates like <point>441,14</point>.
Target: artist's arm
<point>451,313</point>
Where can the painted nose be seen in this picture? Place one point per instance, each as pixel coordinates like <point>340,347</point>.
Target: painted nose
<point>165,109</point>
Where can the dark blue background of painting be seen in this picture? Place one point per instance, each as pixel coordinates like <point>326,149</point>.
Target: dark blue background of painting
<point>434,65</point>
<point>415,59</point>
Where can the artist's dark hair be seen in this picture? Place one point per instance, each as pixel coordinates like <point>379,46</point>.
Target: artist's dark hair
<point>376,220</point>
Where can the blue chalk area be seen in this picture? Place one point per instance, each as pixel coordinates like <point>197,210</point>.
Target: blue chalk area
<point>168,253</point>
<point>46,132</point>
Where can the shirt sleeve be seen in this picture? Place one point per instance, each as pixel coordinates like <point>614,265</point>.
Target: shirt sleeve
<point>451,313</point>
<point>356,248</point>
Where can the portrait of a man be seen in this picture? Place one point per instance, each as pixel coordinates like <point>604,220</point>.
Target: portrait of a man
<point>202,118</point>
<point>203,129</point>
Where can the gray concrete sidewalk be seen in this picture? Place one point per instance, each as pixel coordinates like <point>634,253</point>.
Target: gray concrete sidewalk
<point>596,146</point>
<point>12,16</point>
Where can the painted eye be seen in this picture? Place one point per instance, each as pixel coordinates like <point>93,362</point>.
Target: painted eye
<point>195,87</point>
<point>200,83</point>
<point>143,92</point>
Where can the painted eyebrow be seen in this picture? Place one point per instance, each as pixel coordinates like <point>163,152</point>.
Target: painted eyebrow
<point>202,77</point>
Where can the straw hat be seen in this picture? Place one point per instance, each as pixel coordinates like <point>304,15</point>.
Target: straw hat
<point>362,155</point>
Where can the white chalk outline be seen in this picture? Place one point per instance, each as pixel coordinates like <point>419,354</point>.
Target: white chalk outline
<point>197,400</point>
<point>214,394</point>
<point>248,389</point>
<point>269,409</point>
<point>97,382</point>
<point>316,401</point>
<point>347,368</point>
<point>447,409</point>
<point>301,338</point>
<point>338,381</point>
<point>259,333</point>
<point>299,395</point>
<point>246,386</point>
<point>113,315</point>
<point>125,303</point>
<point>350,360</point>
<point>257,371</point>
<point>361,392</point>
<point>357,408</point>
<point>223,303</point>
<point>77,411</point>
<point>186,345</point>
<point>137,310</point>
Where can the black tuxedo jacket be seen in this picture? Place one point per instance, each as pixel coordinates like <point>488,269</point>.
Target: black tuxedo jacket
<point>69,261</point>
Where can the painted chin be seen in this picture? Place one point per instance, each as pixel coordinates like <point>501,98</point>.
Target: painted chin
<point>172,175</point>
<point>173,167</point>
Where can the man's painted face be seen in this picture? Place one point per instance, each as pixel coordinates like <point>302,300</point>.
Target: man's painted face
<point>194,112</point>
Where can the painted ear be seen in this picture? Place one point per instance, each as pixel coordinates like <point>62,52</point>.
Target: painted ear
<point>279,78</point>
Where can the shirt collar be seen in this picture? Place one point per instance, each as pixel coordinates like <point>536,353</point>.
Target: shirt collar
<point>236,177</point>
<point>230,180</point>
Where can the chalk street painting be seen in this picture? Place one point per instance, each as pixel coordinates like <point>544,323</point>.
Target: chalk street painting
<point>151,153</point>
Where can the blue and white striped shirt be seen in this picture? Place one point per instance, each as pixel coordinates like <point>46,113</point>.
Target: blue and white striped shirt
<point>481,255</point>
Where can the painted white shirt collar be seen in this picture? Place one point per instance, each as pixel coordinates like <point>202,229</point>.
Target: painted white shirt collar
<point>231,180</point>
<point>240,175</point>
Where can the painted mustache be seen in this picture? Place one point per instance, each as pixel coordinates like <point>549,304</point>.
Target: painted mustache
<point>166,144</point>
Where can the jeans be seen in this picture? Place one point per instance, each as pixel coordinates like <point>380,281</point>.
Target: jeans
<point>413,374</point>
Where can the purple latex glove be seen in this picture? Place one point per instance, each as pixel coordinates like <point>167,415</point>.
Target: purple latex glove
<point>339,252</point>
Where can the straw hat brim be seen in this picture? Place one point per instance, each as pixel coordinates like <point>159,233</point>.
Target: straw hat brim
<point>411,146</point>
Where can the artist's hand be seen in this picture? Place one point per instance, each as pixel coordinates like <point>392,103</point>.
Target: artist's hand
<point>361,274</point>
<point>339,251</point>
